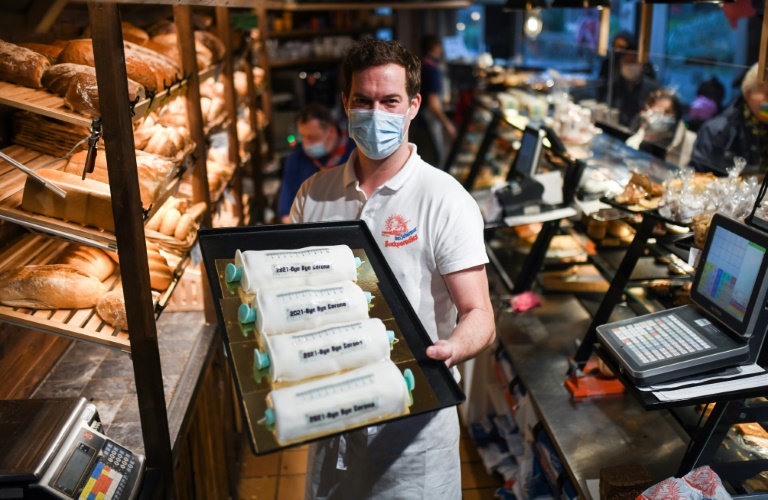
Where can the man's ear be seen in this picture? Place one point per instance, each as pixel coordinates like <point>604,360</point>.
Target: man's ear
<point>415,105</point>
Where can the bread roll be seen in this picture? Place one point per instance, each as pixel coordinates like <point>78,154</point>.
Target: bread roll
<point>173,120</point>
<point>197,210</point>
<point>22,66</point>
<point>76,83</point>
<point>51,52</point>
<point>160,273</point>
<point>49,287</point>
<point>111,308</point>
<point>171,41</point>
<point>170,221</point>
<point>184,227</point>
<point>162,144</point>
<point>89,260</point>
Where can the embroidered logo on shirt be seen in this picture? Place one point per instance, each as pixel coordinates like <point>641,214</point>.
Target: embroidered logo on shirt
<point>397,226</point>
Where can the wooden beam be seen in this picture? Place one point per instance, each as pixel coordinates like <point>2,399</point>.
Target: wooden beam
<point>182,15</point>
<point>605,28</point>
<point>763,60</point>
<point>258,203</point>
<point>43,13</point>
<point>117,131</point>
<point>644,43</point>
<point>230,104</point>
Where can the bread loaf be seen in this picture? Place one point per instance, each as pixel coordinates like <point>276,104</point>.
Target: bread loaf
<point>111,308</point>
<point>213,44</point>
<point>162,144</point>
<point>88,201</point>
<point>149,69</point>
<point>90,260</point>
<point>22,66</point>
<point>51,52</point>
<point>77,84</point>
<point>130,31</point>
<point>49,287</point>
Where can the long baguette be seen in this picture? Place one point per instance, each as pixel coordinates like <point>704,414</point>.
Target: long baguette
<point>49,287</point>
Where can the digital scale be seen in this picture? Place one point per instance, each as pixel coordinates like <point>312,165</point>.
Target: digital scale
<point>52,448</point>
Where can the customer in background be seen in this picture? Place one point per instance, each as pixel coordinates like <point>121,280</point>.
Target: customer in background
<point>707,104</point>
<point>740,130</point>
<point>630,90</point>
<point>433,129</point>
<point>323,145</point>
<point>660,129</point>
<point>621,44</point>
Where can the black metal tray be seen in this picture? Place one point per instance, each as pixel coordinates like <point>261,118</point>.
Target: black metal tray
<point>435,385</point>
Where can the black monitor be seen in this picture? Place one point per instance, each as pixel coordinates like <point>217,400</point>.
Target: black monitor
<point>527,159</point>
<point>730,282</point>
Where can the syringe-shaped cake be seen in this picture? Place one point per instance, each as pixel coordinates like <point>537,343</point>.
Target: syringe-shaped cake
<point>331,404</point>
<point>311,353</point>
<point>286,310</point>
<point>310,266</point>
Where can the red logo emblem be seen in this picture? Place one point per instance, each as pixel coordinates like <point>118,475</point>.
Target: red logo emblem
<point>397,226</point>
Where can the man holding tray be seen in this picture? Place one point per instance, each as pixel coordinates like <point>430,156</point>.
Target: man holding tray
<point>431,232</point>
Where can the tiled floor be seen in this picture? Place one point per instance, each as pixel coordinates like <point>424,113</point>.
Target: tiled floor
<point>280,475</point>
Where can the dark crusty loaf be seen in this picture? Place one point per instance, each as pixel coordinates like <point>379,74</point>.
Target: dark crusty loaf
<point>49,287</point>
<point>21,65</point>
<point>77,84</point>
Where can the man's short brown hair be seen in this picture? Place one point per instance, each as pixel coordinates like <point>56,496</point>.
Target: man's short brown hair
<point>371,52</point>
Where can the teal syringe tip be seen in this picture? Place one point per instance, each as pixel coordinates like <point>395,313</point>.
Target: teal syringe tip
<point>391,336</point>
<point>261,359</point>
<point>232,273</point>
<point>269,417</point>
<point>368,296</point>
<point>246,314</point>
<point>358,262</point>
<point>410,380</point>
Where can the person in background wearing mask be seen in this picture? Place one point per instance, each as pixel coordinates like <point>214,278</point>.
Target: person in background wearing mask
<point>707,104</point>
<point>430,231</point>
<point>740,130</point>
<point>621,43</point>
<point>323,145</point>
<point>632,88</point>
<point>659,127</point>
<point>432,127</point>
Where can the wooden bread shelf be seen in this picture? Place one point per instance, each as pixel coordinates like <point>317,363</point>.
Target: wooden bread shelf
<point>11,191</point>
<point>42,102</point>
<point>80,324</point>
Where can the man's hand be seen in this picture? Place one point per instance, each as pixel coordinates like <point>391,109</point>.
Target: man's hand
<point>450,129</point>
<point>442,351</point>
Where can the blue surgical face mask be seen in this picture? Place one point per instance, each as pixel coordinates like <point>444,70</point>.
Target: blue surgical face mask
<point>317,150</point>
<point>377,133</point>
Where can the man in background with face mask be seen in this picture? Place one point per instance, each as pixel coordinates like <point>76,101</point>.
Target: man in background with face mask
<point>431,232</point>
<point>323,145</point>
<point>740,130</point>
<point>631,88</point>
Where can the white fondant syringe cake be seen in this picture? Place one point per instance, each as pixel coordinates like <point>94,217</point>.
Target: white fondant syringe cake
<point>310,266</point>
<point>323,351</point>
<point>339,402</point>
<point>286,310</point>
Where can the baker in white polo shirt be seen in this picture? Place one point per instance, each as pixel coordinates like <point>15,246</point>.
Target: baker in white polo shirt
<point>431,233</point>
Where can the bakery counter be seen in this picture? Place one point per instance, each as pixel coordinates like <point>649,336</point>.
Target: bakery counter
<point>105,377</point>
<point>593,433</point>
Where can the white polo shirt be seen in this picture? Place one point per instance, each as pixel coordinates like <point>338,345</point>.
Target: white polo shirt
<point>424,221</point>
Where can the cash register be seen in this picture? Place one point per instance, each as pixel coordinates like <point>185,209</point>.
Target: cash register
<point>54,448</point>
